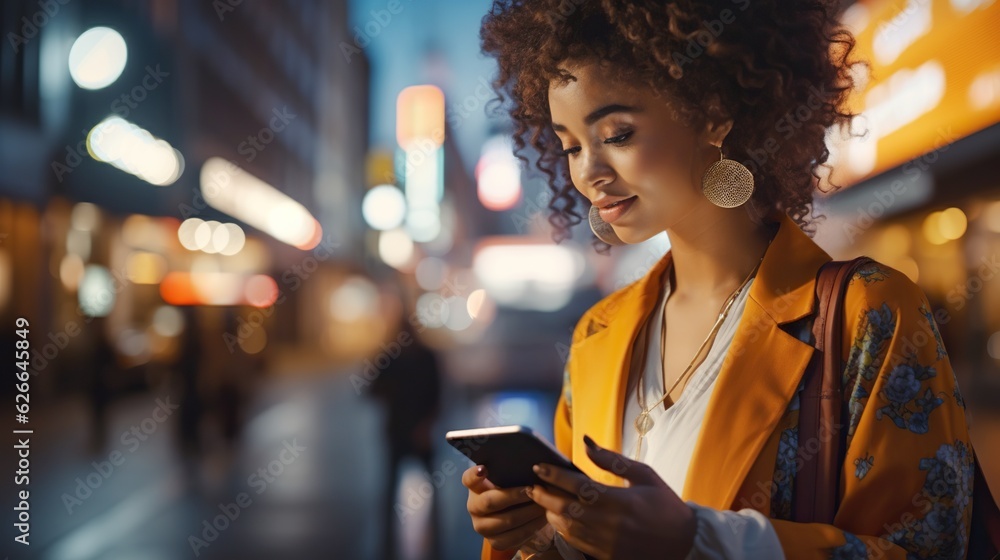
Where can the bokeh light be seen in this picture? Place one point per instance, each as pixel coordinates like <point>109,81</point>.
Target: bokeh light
<point>261,291</point>
<point>420,114</point>
<point>134,150</point>
<point>96,292</point>
<point>383,207</point>
<point>143,267</point>
<point>232,190</point>
<point>167,321</point>
<point>395,248</point>
<point>71,271</point>
<point>498,175</point>
<point>952,223</point>
<point>355,298</point>
<point>97,58</point>
<point>196,234</point>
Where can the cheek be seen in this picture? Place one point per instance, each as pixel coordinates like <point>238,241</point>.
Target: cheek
<point>671,159</point>
<point>658,172</point>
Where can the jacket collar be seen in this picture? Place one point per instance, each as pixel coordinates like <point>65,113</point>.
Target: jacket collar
<point>757,380</point>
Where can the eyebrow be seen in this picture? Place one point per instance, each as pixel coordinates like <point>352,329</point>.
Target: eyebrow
<point>600,113</point>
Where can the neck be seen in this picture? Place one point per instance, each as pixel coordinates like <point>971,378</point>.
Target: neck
<point>713,254</point>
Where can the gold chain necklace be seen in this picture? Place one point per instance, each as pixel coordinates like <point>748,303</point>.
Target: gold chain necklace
<point>643,423</point>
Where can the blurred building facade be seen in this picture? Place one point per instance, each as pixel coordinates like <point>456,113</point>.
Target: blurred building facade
<point>264,87</point>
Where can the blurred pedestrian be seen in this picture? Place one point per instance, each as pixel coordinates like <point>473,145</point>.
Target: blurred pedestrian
<point>103,365</point>
<point>230,388</point>
<point>409,389</point>
<point>187,368</point>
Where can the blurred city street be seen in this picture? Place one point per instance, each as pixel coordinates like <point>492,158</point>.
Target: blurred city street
<point>325,502</point>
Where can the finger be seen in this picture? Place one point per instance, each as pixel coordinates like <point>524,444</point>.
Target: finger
<point>560,502</point>
<point>635,472</point>
<point>579,541</point>
<point>516,538</point>
<point>474,478</point>
<point>559,477</point>
<point>574,533</point>
<point>496,500</point>
<point>555,500</point>
<point>511,520</point>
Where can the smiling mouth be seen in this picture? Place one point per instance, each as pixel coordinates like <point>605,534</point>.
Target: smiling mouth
<point>612,212</point>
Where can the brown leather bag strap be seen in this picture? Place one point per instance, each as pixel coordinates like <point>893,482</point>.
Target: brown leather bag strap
<point>817,481</point>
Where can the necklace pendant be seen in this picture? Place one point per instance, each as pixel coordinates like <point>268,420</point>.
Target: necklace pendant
<point>643,423</point>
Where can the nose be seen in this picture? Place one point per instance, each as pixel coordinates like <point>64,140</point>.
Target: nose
<point>594,173</point>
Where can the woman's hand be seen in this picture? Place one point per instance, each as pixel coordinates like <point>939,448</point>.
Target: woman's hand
<point>505,516</point>
<point>646,519</point>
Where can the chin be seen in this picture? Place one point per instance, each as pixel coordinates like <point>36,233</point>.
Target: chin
<point>633,236</point>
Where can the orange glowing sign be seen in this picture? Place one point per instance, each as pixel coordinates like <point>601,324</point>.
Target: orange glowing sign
<point>420,116</point>
<point>219,288</point>
<point>934,78</point>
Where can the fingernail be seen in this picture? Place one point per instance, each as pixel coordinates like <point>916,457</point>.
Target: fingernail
<point>590,443</point>
<point>540,470</point>
<point>527,490</point>
<point>481,471</point>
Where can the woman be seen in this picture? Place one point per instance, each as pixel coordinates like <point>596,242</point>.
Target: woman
<point>706,119</point>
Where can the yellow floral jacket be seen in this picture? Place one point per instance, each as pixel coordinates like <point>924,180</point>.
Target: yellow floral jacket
<point>906,485</point>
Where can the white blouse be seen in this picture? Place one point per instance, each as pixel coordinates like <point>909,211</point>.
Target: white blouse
<point>669,444</point>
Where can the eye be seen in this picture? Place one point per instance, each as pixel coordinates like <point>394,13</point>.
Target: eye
<point>616,140</point>
<point>620,139</point>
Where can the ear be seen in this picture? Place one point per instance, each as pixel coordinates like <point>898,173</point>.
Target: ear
<point>718,121</point>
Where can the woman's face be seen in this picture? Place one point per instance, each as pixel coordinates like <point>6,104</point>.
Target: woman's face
<point>626,144</point>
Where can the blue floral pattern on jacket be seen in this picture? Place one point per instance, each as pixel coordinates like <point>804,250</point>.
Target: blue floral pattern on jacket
<point>896,357</point>
<point>945,496</point>
<point>867,354</point>
<point>907,408</point>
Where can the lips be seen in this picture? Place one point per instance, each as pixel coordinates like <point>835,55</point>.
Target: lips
<point>608,201</point>
<point>612,210</point>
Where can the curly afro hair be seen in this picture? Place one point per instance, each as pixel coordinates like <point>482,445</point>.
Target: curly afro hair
<point>781,70</point>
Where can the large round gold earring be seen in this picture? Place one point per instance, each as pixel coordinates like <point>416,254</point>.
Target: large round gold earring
<point>727,183</point>
<point>602,229</point>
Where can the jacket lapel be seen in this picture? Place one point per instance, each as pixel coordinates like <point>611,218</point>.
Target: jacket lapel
<point>600,365</point>
<point>760,372</point>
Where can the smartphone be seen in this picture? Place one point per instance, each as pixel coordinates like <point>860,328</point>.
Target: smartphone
<point>508,452</point>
